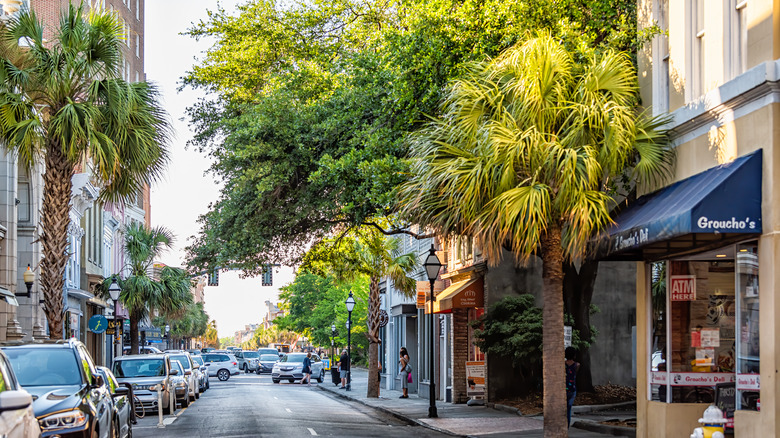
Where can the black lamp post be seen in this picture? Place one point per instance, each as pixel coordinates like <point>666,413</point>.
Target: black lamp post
<point>432,267</point>
<point>29,279</point>
<point>350,305</point>
<point>332,345</point>
<point>167,337</point>
<point>114,291</point>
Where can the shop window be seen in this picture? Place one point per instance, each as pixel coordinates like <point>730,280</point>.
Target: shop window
<point>475,354</point>
<point>747,316</point>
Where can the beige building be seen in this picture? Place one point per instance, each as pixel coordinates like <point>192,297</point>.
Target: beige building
<point>702,243</point>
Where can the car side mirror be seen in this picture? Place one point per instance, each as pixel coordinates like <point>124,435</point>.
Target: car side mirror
<point>187,373</point>
<point>99,381</point>
<point>120,391</point>
<point>14,400</point>
<point>174,372</point>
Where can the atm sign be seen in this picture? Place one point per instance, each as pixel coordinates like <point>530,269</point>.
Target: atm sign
<point>682,287</point>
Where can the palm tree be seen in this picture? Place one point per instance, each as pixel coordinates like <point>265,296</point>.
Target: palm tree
<point>529,150</point>
<point>368,252</point>
<point>63,106</point>
<point>140,292</point>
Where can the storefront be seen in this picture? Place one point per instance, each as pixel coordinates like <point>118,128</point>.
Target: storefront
<point>697,242</point>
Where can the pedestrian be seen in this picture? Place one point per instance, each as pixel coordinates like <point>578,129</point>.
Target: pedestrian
<point>344,367</point>
<point>571,381</point>
<point>405,371</point>
<point>307,369</point>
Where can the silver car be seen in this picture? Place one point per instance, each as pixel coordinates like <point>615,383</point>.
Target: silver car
<point>179,381</point>
<point>203,372</point>
<point>16,413</point>
<point>247,360</point>
<point>221,365</point>
<point>185,359</point>
<point>290,368</point>
<point>144,372</point>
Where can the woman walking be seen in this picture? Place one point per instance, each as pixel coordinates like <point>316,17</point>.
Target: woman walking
<point>307,369</point>
<point>404,371</point>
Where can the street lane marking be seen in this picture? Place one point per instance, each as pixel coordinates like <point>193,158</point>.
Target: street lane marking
<point>312,431</point>
<point>288,410</point>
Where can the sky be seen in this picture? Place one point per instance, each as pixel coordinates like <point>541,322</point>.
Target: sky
<point>186,191</point>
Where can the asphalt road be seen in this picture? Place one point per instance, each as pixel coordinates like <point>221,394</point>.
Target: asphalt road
<point>249,405</point>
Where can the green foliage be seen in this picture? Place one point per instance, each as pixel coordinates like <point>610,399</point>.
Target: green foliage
<point>264,337</point>
<point>190,322</point>
<point>308,132</point>
<point>227,341</point>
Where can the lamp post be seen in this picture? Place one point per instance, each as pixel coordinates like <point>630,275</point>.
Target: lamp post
<point>114,291</point>
<point>432,267</point>
<point>332,338</point>
<point>350,305</point>
<point>167,337</point>
<point>29,279</point>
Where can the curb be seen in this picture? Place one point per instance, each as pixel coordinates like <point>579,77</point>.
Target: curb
<point>594,408</point>
<point>505,408</point>
<point>404,418</point>
<point>605,429</point>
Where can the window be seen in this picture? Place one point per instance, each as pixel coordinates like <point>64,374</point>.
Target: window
<point>137,45</point>
<point>695,68</point>
<point>748,352</point>
<point>661,53</point>
<point>137,9</point>
<point>736,38</point>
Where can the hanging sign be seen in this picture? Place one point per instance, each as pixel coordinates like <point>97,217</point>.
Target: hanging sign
<point>383,318</point>
<point>682,287</point>
<point>98,324</point>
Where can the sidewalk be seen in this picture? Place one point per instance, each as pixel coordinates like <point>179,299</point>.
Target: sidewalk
<point>459,419</point>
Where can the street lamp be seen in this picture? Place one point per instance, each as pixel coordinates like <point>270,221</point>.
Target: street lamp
<point>167,337</point>
<point>432,267</point>
<point>332,346</point>
<point>350,305</point>
<point>29,279</point>
<point>114,291</point>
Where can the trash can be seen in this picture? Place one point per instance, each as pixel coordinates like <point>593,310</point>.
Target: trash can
<point>335,376</point>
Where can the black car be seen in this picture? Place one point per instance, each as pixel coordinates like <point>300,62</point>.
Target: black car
<point>266,363</point>
<point>70,397</point>
<point>123,410</point>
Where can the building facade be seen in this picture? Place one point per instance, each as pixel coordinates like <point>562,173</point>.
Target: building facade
<point>706,245</point>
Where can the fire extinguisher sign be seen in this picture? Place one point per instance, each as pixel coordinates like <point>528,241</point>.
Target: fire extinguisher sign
<point>682,287</point>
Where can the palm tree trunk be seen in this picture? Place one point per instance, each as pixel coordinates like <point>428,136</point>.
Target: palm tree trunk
<point>552,345</point>
<point>54,234</point>
<point>373,338</point>
<point>134,319</point>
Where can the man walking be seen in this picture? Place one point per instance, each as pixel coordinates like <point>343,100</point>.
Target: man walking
<point>344,368</point>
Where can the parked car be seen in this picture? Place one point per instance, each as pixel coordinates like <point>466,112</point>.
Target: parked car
<point>266,363</point>
<point>70,397</point>
<point>179,381</point>
<point>203,373</point>
<point>247,360</point>
<point>146,349</point>
<point>144,372</point>
<point>221,365</point>
<point>207,350</point>
<point>123,411</point>
<point>290,367</point>
<point>188,365</point>
<point>262,351</point>
<point>17,418</point>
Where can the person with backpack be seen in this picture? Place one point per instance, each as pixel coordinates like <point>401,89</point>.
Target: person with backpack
<point>571,380</point>
<point>405,371</point>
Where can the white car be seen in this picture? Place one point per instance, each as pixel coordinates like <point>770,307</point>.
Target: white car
<point>221,365</point>
<point>290,368</point>
<point>17,418</point>
<point>185,360</point>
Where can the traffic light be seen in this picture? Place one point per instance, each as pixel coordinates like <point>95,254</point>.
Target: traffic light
<point>214,278</point>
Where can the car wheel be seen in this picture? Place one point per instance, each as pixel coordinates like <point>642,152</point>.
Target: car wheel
<point>185,401</point>
<point>321,378</point>
<point>275,380</point>
<point>291,380</point>
<point>207,384</point>
<point>223,375</point>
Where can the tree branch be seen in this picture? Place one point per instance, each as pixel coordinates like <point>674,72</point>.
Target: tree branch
<point>400,231</point>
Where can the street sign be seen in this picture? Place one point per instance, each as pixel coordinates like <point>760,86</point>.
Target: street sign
<point>98,324</point>
<point>113,325</point>
<point>383,318</point>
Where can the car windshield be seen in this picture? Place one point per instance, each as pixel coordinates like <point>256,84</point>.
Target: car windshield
<point>251,354</point>
<point>175,365</point>
<point>182,359</point>
<point>198,360</point>
<point>44,366</point>
<point>273,357</point>
<point>293,358</point>
<point>139,368</point>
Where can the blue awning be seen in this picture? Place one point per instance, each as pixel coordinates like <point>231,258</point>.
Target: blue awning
<point>713,207</point>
